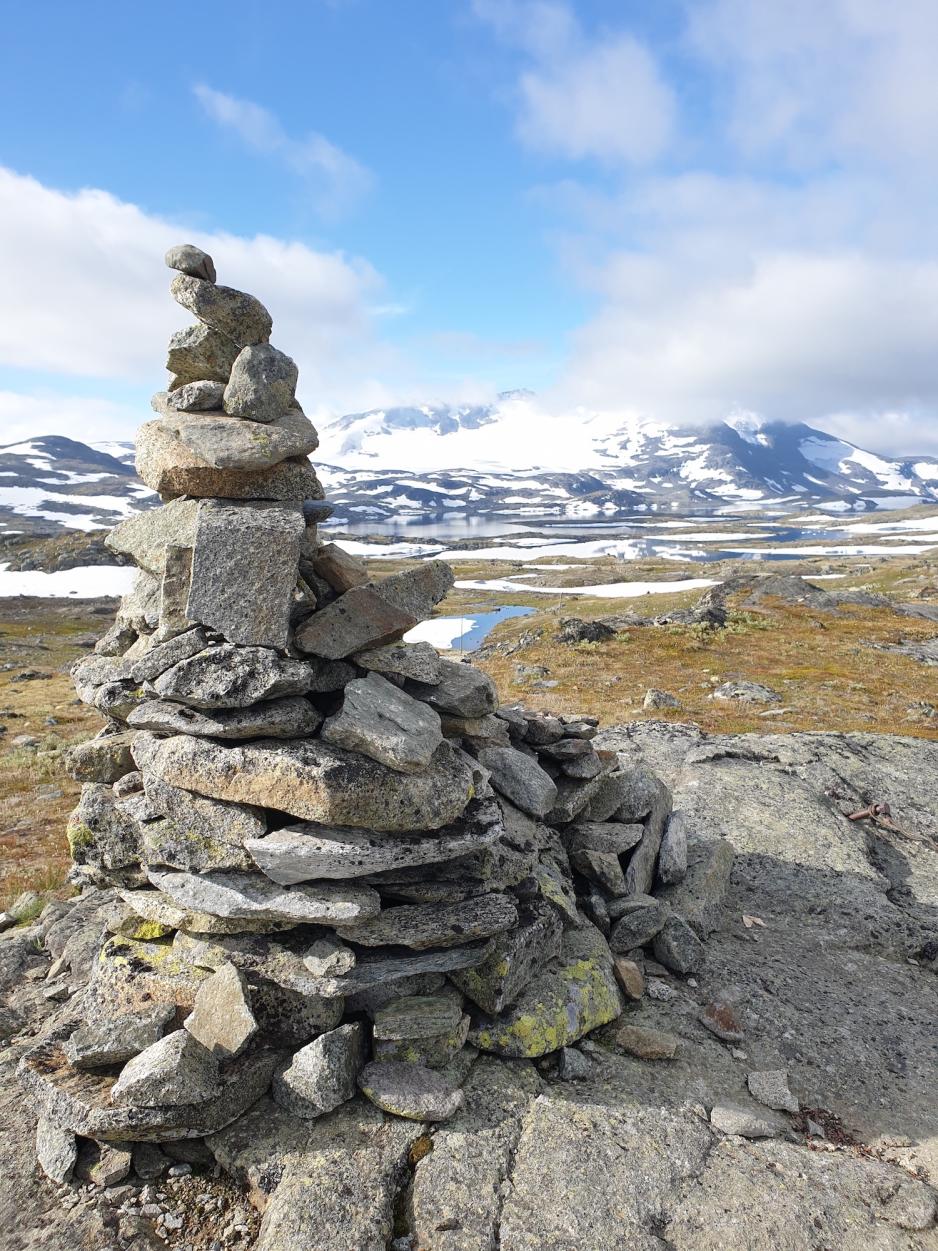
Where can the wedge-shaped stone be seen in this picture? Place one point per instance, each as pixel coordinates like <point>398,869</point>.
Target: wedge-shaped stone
<point>262,385</point>
<point>158,911</point>
<point>410,1090</point>
<point>380,720</point>
<point>222,1020</point>
<point>293,717</point>
<point>421,926</point>
<point>114,1039</point>
<point>638,918</point>
<point>377,613</point>
<point>313,780</point>
<point>168,465</point>
<point>640,874</point>
<point>56,1150</point>
<point>201,817</point>
<point>164,655</point>
<point>607,836</point>
<point>573,796</point>
<point>419,661</point>
<point>224,442</point>
<point>80,1101</point>
<point>228,676</point>
<point>340,568</point>
<point>516,958</point>
<point>101,835</point>
<point>254,897</point>
<point>174,588</point>
<point>235,314</point>
<point>520,779</point>
<point>302,853</point>
<point>193,397</point>
<point>461,690</point>
<point>199,352</point>
<point>322,1074</point>
<point>175,1070</point>
<point>146,536</point>
<point>418,1016</point>
<point>572,996</point>
<point>244,570</point>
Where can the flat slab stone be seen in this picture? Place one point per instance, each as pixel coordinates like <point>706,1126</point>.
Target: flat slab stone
<point>114,1039</point>
<point>314,780</point>
<point>399,967</point>
<point>204,818</point>
<point>379,719</point>
<point>244,570</point>
<point>302,853</point>
<point>418,661</point>
<point>155,908</point>
<point>225,442</point>
<point>516,958</point>
<point>410,1090</point>
<point>421,926</point>
<point>105,758</point>
<point>228,676</point>
<point>418,1016</point>
<point>570,998</point>
<point>81,1101</point>
<point>292,717</point>
<point>254,897</point>
<point>164,655</point>
<point>520,779</point>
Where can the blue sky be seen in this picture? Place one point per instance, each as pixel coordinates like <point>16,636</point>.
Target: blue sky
<point>676,210</point>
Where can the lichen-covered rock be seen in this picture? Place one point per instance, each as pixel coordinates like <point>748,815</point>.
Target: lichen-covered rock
<point>146,536</point>
<point>104,758</point>
<point>290,717</point>
<point>101,836</point>
<point>418,661</point>
<point>410,1090</point>
<point>113,1039</point>
<point>421,926</point>
<point>572,996</point>
<point>56,1150</point>
<point>253,897</point>
<point>520,779</point>
<point>515,959</point>
<point>460,690</point>
<point>228,676</point>
<point>175,1070</point>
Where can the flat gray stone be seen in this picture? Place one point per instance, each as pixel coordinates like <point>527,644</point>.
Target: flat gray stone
<point>461,690</point>
<point>640,874</point>
<point>244,569</point>
<point>770,1087</point>
<point>421,926</point>
<point>193,397</point>
<point>380,720</point>
<point>204,818</point>
<point>418,661</point>
<point>174,587</point>
<point>699,896</point>
<point>520,779</point>
<point>626,795</point>
<point>175,1070</point>
<point>252,896</point>
<point>221,1018</point>
<point>199,352</point>
<point>313,780</point>
<point>164,655</point>
<point>146,536</point>
<point>573,798</point>
<point>56,1150</point>
<point>378,977</point>
<point>223,442</point>
<point>239,316</point>
<point>601,867</point>
<point>418,1016</point>
<point>105,758</point>
<point>410,1090</point>
<point>323,1074</point>
<point>114,1039</point>
<point>308,852</point>
<point>188,259</point>
<point>292,717</point>
<point>262,385</point>
<point>231,676</point>
<point>607,836</point>
<point>100,834</point>
<point>638,918</point>
<point>517,956</point>
<point>747,1121</point>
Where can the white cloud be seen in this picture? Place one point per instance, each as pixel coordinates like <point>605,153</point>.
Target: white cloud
<point>335,179</point>
<point>86,294</point>
<point>583,97</point>
<point>88,420</point>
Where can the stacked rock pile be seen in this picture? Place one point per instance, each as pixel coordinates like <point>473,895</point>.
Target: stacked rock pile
<point>322,860</point>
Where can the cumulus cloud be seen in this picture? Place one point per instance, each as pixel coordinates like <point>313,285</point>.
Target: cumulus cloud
<point>336,180</point>
<point>582,97</point>
<point>85,293</point>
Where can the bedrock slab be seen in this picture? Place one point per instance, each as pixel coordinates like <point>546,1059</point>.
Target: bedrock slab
<point>313,780</point>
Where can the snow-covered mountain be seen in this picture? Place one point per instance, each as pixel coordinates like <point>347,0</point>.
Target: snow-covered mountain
<point>506,460</point>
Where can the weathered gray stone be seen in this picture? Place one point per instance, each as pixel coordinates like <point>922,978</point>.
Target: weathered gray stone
<point>672,855</point>
<point>378,977</point>
<point>150,1163</point>
<point>700,894</point>
<point>436,1051</point>
<point>302,853</point>
<point>292,717</point>
<point>638,918</point>
<point>104,758</point>
<point>224,442</point>
<point>327,956</point>
<point>222,1020</point>
<point>169,466</point>
<point>410,1090</point>
<point>520,779</point>
<point>627,795</point>
<point>229,676</point>
<point>516,957</point>
<point>100,834</point>
<point>369,616</point>
<point>90,673</point>
<point>339,568</point>
<point>174,587</point>
<point>146,536</point>
<point>747,693</point>
<point>770,1087</point>
<point>607,836</point>
<point>569,998</point>
<point>262,385</point>
<point>244,570</point>
<point>114,1039</point>
<point>203,818</point>
<point>200,352</point>
<point>647,1044</point>
<point>192,397</point>
<point>602,867</point>
<point>420,926</point>
<point>383,722</point>
<point>418,1016</point>
<point>313,780</point>
<point>573,798</point>
<point>322,1074</point>
<point>677,947</point>
<point>747,1120</point>
<point>175,1070</point>
<point>56,1150</point>
<point>462,690</point>
<point>254,897</point>
<point>239,316</point>
<point>140,609</point>
<point>478,732</point>
<point>102,1163</point>
<point>164,655</point>
<point>189,259</point>
<point>640,874</point>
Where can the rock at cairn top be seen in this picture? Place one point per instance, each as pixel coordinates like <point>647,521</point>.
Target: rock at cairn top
<point>296,822</point>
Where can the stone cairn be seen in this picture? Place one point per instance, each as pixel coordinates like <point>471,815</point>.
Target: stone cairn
<point>322,860</point>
